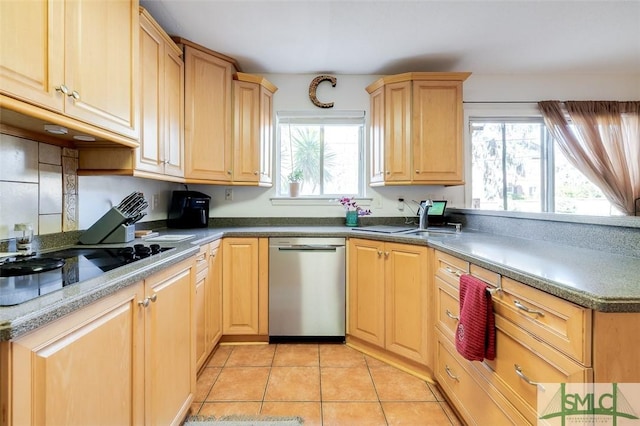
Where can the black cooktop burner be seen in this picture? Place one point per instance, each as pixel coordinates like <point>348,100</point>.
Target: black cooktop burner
<point>29,266</point>
<point>23,279</point>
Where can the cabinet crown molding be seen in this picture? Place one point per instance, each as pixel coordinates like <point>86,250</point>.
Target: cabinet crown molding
<point>417,76</point>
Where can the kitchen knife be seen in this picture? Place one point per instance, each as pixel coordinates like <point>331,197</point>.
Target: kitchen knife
<point>126,200</point>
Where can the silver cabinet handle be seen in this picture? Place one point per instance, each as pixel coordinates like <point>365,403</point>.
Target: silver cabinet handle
<point>75,95</point>
<point>450,374</point>
<point>527,309</point>
<point>256,173</point>
<point>451,271</point>
<point>450,315</point>
<point>154,297</point>
<point>228,172</point>
<point>388,172</point>
<point>63,89</point>
<point>379,253</point>
<point>386,254</point>
<point>525,378</point>
<point>417,172</point>
<point>144,302</point>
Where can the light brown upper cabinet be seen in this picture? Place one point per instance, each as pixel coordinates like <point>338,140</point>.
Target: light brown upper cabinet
<point>208,112</point>
<point>252,129</point>
<point>72,63</point>
<point>228,120</point>
<point>416,135</point>
<point>161,151</point>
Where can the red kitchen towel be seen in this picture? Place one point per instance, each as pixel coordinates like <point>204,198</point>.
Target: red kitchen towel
<point>476,331</point>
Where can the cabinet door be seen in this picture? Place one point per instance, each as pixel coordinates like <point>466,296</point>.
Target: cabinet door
<point>83,368</point>
<point>366,290</point>
<point>246,122</point>
<point>376,145</point>
<point>170,374</point>
<point>214,297</point>
<point>208,150</point>
<point>100,63</point>
<point>407,301</point>
<point>397,138</point>
<point>200,311</point>
<point>150,152</point>
<point>266,136</point>
<point>32,51</point>
<point>173,111</point>
<point>437,132</point>
<point>240,286</point>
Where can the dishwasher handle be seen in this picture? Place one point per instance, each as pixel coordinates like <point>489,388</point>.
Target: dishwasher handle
<point>309,247</point>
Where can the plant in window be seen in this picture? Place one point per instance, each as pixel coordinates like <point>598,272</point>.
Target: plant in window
<point>295,176</point>
<point>295,181</point>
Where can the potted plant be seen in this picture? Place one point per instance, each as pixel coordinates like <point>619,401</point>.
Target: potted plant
<point>295,180</point>
<point>353,210</point>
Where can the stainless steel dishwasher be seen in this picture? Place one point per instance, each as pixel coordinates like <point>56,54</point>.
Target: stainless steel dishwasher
<point>306,289</point>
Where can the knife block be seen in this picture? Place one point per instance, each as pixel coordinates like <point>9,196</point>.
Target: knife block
<point>109,227</point>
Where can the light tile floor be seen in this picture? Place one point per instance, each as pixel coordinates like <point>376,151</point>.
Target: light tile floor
<point>326,384</point>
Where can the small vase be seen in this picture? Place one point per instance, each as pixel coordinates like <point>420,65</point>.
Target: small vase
<point>352,218</point>
<point>294,189</point>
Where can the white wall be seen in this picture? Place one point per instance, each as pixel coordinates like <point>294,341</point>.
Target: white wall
<point>96,193</point>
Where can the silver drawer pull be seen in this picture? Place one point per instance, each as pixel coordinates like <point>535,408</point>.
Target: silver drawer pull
<point>526,309</point>
<point>451,271</point>
<point>450,315</point>
<point>525,378</point>
<point>450,374</point>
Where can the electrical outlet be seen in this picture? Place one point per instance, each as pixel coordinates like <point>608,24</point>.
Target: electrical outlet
<point>401,204</point>
<point>228,194</point>
<point>154,201</point>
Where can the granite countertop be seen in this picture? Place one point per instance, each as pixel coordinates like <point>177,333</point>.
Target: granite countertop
<point>593,279</point>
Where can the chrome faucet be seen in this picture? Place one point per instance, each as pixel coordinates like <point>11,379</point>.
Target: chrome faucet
<point>424,211</point>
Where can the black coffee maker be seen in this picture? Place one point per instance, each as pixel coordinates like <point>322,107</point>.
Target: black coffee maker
<point>189,209</point>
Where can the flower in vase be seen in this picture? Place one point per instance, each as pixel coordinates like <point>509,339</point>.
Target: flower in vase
<point>350,205</point>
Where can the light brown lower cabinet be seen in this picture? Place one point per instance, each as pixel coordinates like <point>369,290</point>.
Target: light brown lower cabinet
<point>245,282</point>
<point>208,300</point>
<point>541,340</point>
<point>389,297</point>
<point>127,359</point>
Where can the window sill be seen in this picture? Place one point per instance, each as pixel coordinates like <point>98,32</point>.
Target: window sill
<point>314,201</point>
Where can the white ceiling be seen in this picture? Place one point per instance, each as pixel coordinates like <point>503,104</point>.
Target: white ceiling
<point>394,36</point>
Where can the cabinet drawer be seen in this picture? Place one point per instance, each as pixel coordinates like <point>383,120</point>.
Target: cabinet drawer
<point>521,358</point>
<point>447,308</point>
<point>202,258</point>
<point>563,325</point>
<point>477,402</point>
<point>449,268</point>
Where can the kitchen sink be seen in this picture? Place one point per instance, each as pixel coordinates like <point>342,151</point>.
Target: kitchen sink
<point>428,232</point>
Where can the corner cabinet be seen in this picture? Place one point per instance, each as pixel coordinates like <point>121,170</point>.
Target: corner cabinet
<point>252,129</point>
<point>125,359</point>
<point>160,155</point>
<point>62,62</point>
<point>416,135</point>
<point>389,300</point>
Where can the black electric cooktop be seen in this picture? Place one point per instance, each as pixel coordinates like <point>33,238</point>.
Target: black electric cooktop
<point>25,278</point>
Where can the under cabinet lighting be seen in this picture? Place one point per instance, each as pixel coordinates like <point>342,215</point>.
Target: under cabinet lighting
<point>55,129</point>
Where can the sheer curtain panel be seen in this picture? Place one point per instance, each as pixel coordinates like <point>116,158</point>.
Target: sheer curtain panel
<point>602,140</point>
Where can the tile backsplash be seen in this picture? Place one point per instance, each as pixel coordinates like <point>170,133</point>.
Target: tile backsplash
<point>38,185</point>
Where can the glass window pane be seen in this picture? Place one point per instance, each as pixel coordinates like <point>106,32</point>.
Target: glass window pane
<point>487,178</point>
<point>327,154</point>
<point>522,164</point>
<point>574,193</point>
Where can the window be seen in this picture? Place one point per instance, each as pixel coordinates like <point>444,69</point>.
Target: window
<point>326,150</point>
<point>517,167</point>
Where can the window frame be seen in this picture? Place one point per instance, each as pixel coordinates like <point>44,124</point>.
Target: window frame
<point>354,117</point>
<point>515,112</point>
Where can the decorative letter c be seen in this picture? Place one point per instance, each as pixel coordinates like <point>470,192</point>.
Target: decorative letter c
<point>314,85</point>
